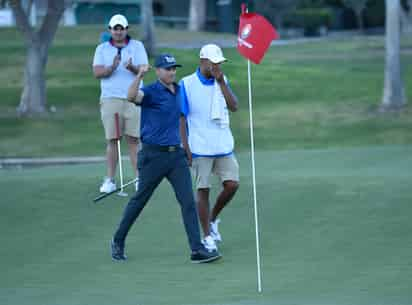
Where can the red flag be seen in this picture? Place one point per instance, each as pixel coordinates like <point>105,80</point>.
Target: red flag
<point>255,35</point>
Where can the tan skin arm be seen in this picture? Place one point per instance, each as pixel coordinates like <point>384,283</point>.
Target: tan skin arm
<point>230,97</point>
<point>101,71</point>
<point>134,95</point>
<point>132,68</point>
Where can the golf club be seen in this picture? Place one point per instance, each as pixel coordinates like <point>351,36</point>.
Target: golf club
<point>116,119</point>
<point>104,195</point>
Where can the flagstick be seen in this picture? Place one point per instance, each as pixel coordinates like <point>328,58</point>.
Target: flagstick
<point>252,143</point>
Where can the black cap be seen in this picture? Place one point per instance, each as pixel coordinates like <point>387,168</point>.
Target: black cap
<point>166,61</point>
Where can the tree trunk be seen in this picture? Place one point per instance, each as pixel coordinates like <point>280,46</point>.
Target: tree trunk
<point>406,17</point>
<point>28,6</point>
<point>394,93</point>
<point>197,15</point>
<point>148,27</point>
<point>359,17</point>
<point>278,20</point>
<point>33,98</point>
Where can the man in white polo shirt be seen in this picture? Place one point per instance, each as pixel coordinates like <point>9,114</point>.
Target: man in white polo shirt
<point>116,63</point>
<point>207,138</point>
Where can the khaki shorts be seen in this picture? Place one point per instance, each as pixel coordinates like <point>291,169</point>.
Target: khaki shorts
<point>226,168</point>
<point>129,117</point>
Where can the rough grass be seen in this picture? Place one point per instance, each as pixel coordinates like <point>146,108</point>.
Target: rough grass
<point>306,95</point>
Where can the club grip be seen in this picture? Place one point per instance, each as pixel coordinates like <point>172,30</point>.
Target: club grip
<point>117,125</point>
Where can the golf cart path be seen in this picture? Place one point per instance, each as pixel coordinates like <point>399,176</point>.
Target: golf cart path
<point>230,43</point>
<point>22,162</point>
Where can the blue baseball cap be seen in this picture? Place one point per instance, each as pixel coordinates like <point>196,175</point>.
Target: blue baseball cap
<point>166,61</point>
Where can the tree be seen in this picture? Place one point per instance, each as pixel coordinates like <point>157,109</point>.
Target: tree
<point>37,40</point>
<point>358,6</point>
<point>197,15</point>
<point>406,16</point>
<point>148,26</point>
<point>276,9</point>
<point>394,92</point>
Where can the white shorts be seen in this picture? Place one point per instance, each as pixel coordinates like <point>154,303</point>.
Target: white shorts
<point>129,118</point>
<point>226,168</point>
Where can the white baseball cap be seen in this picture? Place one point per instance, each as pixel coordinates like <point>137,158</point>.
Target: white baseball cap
<point>213,53</point>
<point>118,20</point>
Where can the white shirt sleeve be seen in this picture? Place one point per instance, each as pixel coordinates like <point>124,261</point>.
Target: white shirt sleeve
<point>98,59</point>
<point>140,55</point>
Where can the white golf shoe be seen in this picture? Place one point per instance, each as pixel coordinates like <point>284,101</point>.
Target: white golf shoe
<point>214,232</point>
<point>107,186</point>
<point>209,243</point>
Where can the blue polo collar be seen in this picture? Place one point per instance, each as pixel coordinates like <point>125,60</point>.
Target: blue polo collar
<point>205,81</point>
<point>160,85</point>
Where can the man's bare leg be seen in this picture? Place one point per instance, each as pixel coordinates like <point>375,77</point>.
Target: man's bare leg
<point>203,209</point>
<point>133,143</point>
<point>111,158</point>
<point>229,190</point>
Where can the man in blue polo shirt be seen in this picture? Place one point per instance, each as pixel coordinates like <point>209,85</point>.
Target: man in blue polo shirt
<point>161,157</point>
<point>206,102</point>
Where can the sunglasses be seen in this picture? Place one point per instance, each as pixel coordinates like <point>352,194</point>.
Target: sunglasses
<point>118,28</point>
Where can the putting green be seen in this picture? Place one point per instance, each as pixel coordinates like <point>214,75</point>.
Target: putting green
<point>335,229</point>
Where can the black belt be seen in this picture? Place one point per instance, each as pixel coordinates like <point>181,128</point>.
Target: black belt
<point>165,148</point>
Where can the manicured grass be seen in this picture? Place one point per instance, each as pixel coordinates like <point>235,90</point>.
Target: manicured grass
<point>335,229</point>
<point>334,219</point>
<point>310,95</point>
